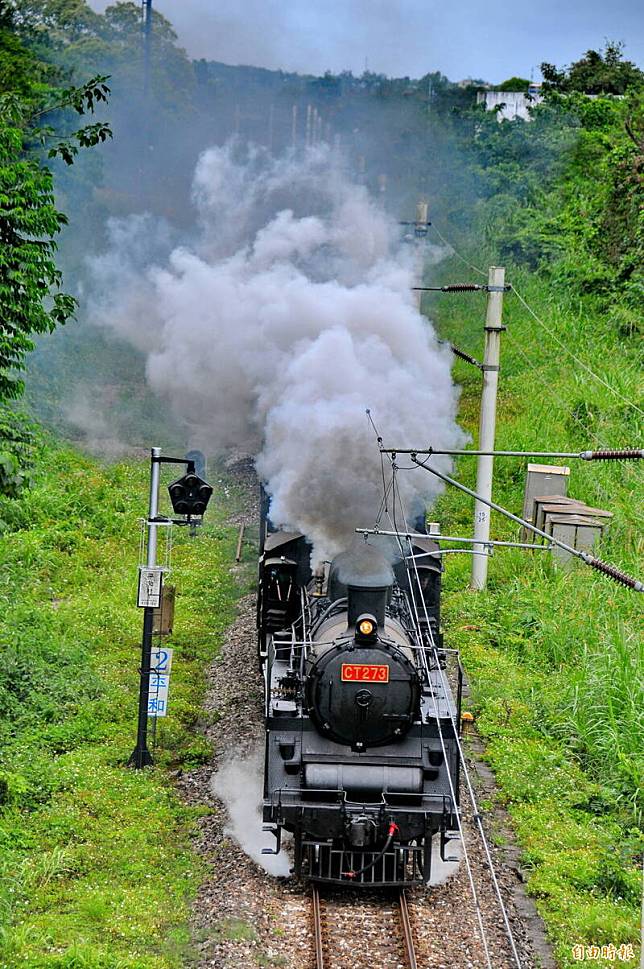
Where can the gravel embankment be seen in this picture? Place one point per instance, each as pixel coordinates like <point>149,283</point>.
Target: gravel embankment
<point>244,918</point>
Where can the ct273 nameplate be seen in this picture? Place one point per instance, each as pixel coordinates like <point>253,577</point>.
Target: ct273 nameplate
<point>364,673</point>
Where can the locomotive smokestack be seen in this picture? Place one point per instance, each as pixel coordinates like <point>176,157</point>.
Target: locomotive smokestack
<point>365,578</point>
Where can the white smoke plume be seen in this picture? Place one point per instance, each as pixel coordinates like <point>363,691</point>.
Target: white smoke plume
<point>238,783</point>
<point>289,316</point>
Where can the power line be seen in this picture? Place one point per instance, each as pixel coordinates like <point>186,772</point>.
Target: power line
<point>597,487</point>
<point>470,790</point>
<point>457,253</point>
<point>574,356</point>
<point>454,800</point>
<point>541,323</point>
<point>566,407</point>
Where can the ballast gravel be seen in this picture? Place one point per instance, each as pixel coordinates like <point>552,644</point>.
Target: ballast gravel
<point>244,918</point>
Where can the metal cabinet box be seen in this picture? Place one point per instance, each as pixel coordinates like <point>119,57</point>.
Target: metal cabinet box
<point>543,479</point>
<point>163,617</point>
<point>579,531</point>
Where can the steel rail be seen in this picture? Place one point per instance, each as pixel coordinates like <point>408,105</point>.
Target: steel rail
<point>317,928</point>
<point>408,938</point>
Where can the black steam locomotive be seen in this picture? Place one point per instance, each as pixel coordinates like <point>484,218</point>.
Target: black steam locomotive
<point>361,761</point>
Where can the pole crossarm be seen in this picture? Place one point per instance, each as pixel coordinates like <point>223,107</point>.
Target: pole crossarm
<point>452,538</point>
<point>611,454</point>
<point>605,567</point>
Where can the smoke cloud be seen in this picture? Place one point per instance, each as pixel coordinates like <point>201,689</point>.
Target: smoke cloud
<point>276,328</point>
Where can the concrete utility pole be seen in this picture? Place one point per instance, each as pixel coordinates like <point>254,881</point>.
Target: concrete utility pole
<point>487,422</point>
<point>294,126</point>
<point>147,43</point>
<point>420,234</point>
<point>271,116</point>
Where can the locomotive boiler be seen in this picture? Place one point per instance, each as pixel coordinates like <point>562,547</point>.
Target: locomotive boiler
<point>361,760</point>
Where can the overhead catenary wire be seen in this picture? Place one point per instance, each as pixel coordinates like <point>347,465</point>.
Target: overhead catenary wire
<point>512,288</point>
<point>468,866</point>
<point>470,790</point>
<point>595,484</point>
<point>598,487</point>
<point>456,252</point>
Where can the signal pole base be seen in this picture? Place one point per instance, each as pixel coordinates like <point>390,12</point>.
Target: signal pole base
<point>140,758</point>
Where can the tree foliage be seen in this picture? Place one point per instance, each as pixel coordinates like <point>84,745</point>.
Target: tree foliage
<point>30,298</point>
<point>514,84</point>
<point>597,72</point>
<point>34,125</point>
<point>563,192</point>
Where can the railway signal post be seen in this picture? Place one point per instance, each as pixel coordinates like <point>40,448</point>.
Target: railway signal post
<point>189,496</point>
<point>149,590</point>
<point>487,422</point>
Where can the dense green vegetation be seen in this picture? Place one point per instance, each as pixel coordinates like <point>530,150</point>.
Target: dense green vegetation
<point>554,655</point>
<point>96,866</point>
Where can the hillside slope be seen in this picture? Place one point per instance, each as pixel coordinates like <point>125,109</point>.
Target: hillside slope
<point>96,863</point>
<point>555,655</point>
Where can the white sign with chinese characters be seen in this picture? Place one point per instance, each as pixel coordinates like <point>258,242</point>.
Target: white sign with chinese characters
<point>150,582</point>
<point>160,666</point>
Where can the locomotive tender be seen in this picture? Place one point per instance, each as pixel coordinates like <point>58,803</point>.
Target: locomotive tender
<point>361,762</point>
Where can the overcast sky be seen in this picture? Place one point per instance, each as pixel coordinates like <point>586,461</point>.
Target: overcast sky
<point>462,38</point>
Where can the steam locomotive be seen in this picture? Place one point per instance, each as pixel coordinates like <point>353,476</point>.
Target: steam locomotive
<point>361,760</point>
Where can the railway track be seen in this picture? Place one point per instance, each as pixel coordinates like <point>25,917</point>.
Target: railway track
<point>352,931</point>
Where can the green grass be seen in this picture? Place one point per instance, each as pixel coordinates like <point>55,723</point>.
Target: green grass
<point>555,654</point>
<point>96,862</point>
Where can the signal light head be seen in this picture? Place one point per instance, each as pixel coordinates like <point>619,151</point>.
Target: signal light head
<point>366,628</point>
<point>190,495</point>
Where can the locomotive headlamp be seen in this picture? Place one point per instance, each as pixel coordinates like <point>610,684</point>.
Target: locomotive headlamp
<point>190,495</point>
<point>366,628</point>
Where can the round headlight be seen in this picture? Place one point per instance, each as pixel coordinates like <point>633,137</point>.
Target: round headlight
<point>366,628</point>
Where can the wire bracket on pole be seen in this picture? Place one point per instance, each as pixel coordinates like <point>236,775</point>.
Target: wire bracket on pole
<point>625,454</point>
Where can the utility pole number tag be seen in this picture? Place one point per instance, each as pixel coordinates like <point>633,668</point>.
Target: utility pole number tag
<point>150,582</point>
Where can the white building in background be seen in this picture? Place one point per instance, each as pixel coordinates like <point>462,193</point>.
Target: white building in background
<point>514,104</point>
